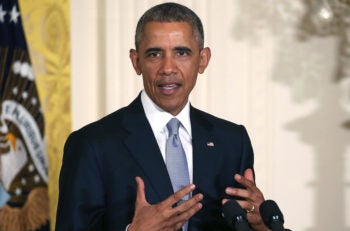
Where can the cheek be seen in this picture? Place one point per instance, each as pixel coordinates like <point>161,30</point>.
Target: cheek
<point>149,71</point>
<point>190,76</point>
<point>192,84</point>
<point>148,82</point>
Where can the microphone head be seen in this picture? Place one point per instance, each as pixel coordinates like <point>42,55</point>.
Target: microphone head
<point>271,213</point>
<point>233,213</point>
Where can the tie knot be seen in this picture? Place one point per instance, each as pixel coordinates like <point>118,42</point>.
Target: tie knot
<point>173,126</point>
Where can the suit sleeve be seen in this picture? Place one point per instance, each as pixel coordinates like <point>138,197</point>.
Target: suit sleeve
<point>248,153</point>
<point>81,202</point>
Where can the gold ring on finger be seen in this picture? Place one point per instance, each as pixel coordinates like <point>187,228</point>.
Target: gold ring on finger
<point>251,210</point>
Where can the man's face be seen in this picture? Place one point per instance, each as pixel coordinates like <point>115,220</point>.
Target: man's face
<point>169,60</point>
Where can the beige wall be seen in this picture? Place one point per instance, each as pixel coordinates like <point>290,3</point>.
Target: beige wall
<point>262,75</point>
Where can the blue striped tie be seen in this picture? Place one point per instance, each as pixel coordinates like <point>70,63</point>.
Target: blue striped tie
<point>176,161</point>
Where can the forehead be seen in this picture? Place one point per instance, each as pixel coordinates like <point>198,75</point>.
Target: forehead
<point>167,31</point>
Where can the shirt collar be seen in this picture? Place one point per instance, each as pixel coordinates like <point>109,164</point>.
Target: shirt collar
<point>158,118</point>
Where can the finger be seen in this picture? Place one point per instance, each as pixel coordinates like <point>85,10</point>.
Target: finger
<point>244,181</point>
<point>246,205</point>
<point>177,196</point>
<point>186,215</point>
<point>251,194</point>
<point>140,196</point>
<point>188,204</point>
<point>187,209</point>
<point>238,192</point>
<point>223,201</point>
<point>248,173</point>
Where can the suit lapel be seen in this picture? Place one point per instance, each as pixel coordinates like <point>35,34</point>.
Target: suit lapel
<point>204,149</point>
<point>144,148</point>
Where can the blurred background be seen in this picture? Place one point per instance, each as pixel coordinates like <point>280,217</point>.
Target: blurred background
<point>281,68</point>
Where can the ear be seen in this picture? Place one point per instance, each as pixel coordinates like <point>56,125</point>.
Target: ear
<point>134,57</point>
<point>205,55</point>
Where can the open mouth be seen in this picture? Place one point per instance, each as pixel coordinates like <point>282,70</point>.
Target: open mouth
<point>169,86</point>
<point>169,89</point>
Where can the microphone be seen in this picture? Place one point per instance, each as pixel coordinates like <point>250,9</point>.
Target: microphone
<point>272,215</point>
<point>235,216</point>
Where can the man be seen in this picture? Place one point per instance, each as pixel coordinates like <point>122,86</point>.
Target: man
<point>116,174</point>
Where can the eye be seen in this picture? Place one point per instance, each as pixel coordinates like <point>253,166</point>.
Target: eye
<point>183,52</point>
<point>153,54</point>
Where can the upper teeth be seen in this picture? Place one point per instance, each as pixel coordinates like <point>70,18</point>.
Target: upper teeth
<point>169,85</point>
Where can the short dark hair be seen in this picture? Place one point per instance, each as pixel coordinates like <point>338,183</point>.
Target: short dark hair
<point>170,12</point>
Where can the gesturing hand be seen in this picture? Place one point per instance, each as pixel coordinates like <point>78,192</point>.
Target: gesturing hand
<point>253,198</point>
<point>162,216</point>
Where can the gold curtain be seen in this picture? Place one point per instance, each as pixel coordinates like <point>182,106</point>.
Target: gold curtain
<point>46,24</point>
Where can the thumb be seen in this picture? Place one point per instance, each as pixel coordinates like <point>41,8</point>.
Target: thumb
<point>140,193</point>
<point>248,173</point>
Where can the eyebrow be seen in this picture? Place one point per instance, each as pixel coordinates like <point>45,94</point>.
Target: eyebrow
<point>157,49</point>
<point>182,48</point>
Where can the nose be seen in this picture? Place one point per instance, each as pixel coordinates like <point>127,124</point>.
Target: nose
<point>169,65</point>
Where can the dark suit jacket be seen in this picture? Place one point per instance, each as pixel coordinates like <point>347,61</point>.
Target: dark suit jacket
<point>97,188</point>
